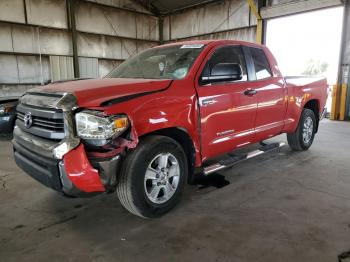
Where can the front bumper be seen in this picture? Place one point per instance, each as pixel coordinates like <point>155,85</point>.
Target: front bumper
<point>54,157</point>
<point>74,175</point>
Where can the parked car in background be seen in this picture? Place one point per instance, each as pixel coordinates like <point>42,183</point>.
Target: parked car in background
<point>159,118</point>
<point>7,114</point>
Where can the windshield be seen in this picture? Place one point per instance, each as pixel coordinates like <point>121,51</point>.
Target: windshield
<point>172,62</point>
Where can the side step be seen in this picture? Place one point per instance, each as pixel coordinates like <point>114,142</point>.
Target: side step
<point>235,159</point>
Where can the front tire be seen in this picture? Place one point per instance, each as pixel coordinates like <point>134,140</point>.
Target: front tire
<point>303,137</point>
<point>153,177</point>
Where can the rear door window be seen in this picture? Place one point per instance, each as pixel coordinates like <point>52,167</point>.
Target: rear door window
<point>261,64</point>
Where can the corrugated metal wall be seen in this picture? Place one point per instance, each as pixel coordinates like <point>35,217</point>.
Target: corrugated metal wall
<point>61,67</point>
<point>229,19</point>
<point>36,42</point>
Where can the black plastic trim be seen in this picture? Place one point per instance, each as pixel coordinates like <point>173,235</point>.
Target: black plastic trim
<point>250,63</point>
<point>45,170</point>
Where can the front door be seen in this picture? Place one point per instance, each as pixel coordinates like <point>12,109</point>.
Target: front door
<point>227,111</point>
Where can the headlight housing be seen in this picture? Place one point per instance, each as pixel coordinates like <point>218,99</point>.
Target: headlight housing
<point>97,129</point>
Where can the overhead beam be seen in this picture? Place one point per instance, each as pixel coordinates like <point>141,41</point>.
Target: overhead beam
<point>123,8</point>
<point>147,4</point>
<point>185,8</point>
<point>209,34</point>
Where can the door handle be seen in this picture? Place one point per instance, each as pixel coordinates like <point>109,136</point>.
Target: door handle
<point>250,92</point>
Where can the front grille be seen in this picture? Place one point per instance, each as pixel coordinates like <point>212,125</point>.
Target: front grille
<point>46,123</point>
<point>54,125</point>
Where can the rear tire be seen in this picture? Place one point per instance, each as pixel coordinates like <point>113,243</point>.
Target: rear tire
<point>153,177</point>
<point>303,137</point>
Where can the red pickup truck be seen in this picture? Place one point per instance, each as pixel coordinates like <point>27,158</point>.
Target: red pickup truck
<point>161,117</point>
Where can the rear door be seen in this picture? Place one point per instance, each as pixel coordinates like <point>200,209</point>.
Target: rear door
<point>270,94</point>
<point>227,114</point>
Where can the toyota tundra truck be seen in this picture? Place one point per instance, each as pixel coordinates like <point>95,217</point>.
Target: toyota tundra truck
<point>161,117</point>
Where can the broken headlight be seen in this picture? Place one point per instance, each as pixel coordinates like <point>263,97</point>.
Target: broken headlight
<point>97,129</point>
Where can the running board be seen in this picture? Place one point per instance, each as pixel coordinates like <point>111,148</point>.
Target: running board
<point>235,159</point>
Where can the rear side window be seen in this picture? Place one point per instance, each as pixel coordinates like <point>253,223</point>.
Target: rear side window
<point>261,64</point>
<point>227,54</point>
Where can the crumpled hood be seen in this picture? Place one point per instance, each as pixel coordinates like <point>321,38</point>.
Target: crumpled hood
<point>94,92</point>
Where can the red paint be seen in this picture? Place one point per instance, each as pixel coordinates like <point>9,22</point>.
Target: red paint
<point>80,171</point>
<point>273,110</point>
<point>93,92</point>
<point>300,91</point>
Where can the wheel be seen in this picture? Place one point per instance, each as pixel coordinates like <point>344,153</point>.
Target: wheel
<point>303,137</point>
<point>153,177</point>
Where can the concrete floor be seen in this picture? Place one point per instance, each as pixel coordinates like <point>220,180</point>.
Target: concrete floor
<point>283,206</point>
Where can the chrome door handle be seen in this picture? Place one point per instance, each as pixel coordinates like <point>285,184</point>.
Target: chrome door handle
<point>207,102</point>
<point>250,92</point>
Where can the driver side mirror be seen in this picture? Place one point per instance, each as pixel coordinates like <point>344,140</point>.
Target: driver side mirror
<point>224,72</point>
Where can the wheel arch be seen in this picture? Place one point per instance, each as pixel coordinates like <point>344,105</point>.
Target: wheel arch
<point>181,136</point>
<point>314,105</point>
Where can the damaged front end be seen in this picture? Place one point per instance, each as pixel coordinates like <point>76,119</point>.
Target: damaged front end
<point>51,147</point>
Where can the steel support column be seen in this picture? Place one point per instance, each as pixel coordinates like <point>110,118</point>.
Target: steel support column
<point>341,94</point>
<point>73,29</point>
<point>160,28</point>
<point>260,25</point>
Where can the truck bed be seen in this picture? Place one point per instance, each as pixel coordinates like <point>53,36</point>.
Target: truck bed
<point>305,80</point>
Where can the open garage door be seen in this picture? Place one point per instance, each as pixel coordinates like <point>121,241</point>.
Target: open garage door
<point>307,43</point>
<point>278,8</point>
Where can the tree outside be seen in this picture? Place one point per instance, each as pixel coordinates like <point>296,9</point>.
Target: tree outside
<point>315,68</point>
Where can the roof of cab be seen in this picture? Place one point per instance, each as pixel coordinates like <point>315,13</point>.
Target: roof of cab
<point>213,42</point>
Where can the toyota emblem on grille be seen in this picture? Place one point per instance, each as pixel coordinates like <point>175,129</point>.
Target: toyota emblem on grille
<point>28,120</point>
